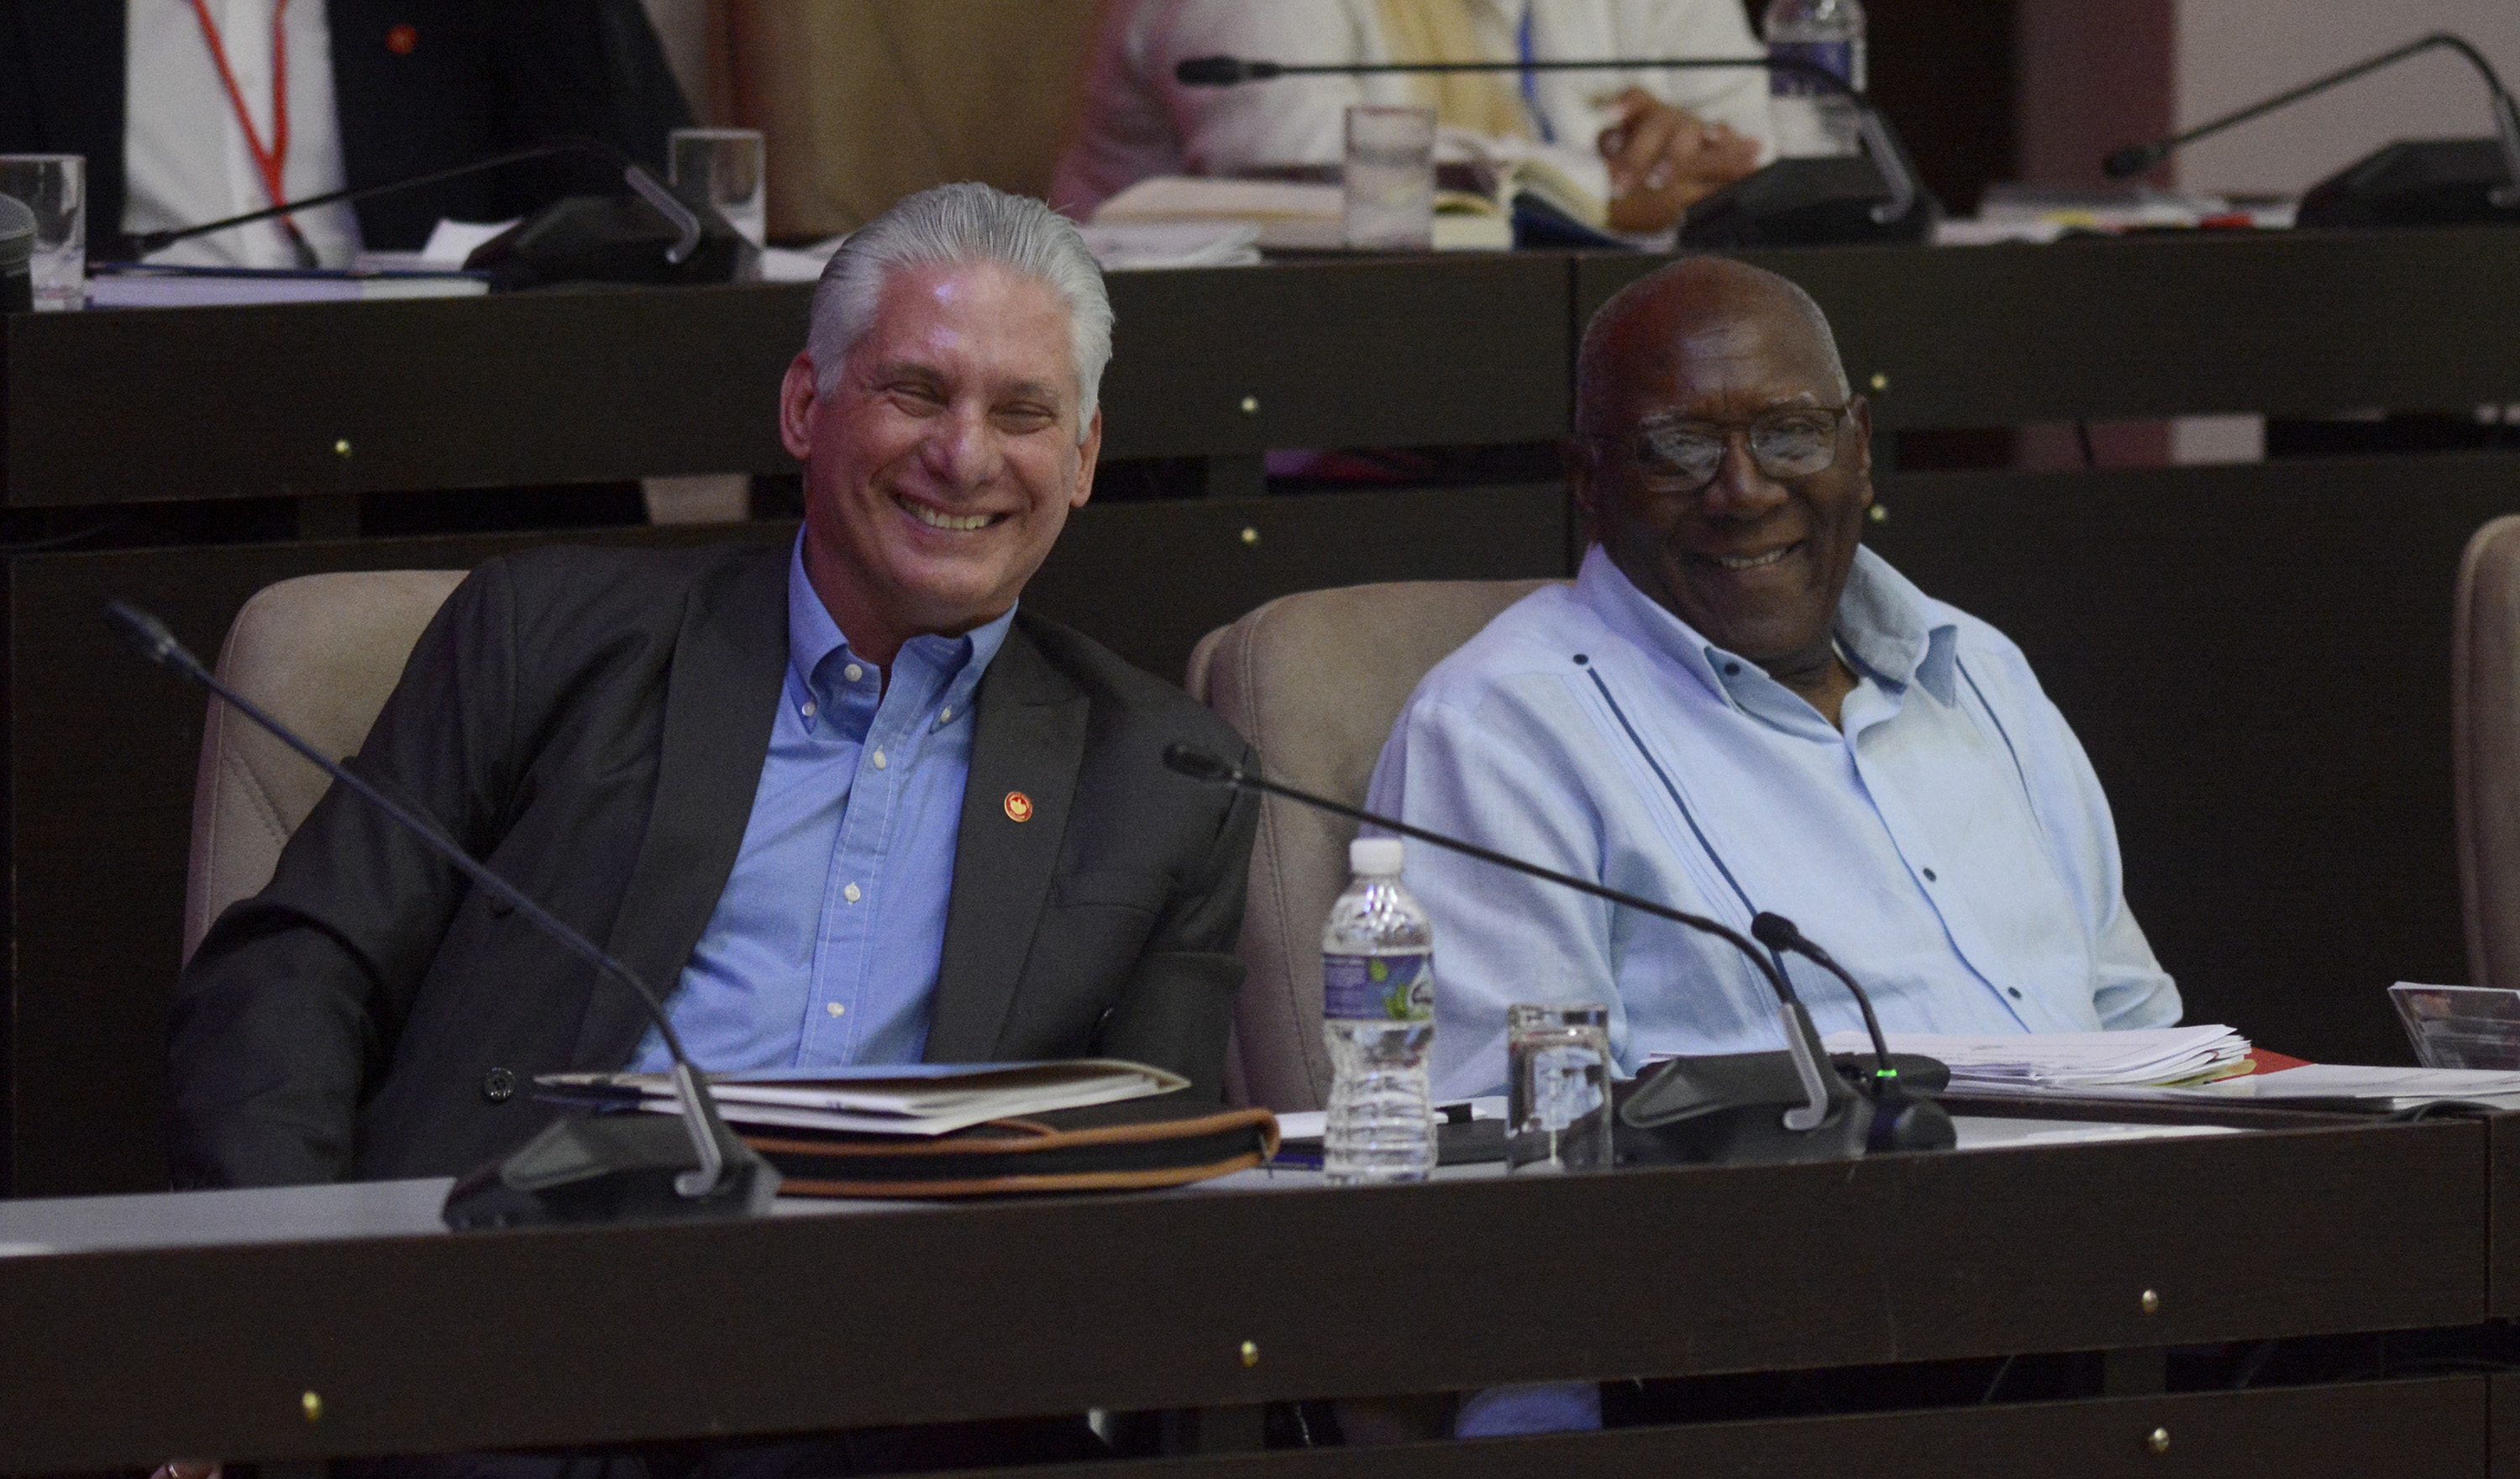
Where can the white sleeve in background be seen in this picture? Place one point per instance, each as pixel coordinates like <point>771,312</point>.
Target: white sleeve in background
<point>1137,121</point>
<point>185,155</point>
<point>1645,28</point>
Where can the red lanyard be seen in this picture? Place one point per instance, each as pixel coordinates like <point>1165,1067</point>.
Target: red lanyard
<point>273,161</point>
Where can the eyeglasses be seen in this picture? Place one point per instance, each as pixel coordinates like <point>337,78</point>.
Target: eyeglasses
<point>1684,455</point>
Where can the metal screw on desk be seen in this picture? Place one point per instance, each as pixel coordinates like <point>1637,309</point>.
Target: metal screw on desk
<point>1880,382</point>
<point>1880,513</point>
<point>342,448</point>
<point>1251,405</point>
<point>2159,1442</point>
<point>312,1405</point>
<point>1250,1354</point>
<point>1250,535</point>
<point>2151,1302</point>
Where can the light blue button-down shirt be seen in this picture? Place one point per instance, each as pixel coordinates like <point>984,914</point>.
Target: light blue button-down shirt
<point>825,947</point>
<point>1950,846</point>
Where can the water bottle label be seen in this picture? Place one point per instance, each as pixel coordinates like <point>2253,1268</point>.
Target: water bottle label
<point>1837,56</point>
<point>1393,988</point>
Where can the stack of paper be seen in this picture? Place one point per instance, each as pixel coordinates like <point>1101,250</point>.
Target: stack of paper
<point>2065,1061</point>
<point>908,1099</point>
<point>1130,245</point>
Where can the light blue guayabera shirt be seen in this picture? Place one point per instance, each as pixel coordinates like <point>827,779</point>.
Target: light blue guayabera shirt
<point>1951,846</point>
<point>824,946</point>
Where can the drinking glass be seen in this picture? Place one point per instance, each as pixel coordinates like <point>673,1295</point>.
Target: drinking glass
<point>55,187</point>
<point>1390,178</point>
<point>722,168</point>
<point>1558,1087</point>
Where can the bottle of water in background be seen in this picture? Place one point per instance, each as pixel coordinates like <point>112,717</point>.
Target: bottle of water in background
<point>1829,33</point>
<point>1377,1018</point>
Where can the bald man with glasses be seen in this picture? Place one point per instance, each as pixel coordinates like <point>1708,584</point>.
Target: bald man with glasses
<point>1736,708</point>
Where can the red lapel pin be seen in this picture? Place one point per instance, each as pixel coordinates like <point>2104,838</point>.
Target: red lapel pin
<point>401,40</point>
<point>1018,807</point>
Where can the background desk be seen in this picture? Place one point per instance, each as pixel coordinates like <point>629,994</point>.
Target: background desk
<point>413,1339</point>
<point>2256,656</point>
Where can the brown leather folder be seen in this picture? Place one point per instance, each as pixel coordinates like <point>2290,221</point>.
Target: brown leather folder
<point>1131,1145</point>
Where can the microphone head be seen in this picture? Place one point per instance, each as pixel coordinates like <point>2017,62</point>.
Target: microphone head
<point>147,636</point>
<point>2131,160</point>
<point>1200,765</point>
<point>1221,71</point>
<point>1775,931</point>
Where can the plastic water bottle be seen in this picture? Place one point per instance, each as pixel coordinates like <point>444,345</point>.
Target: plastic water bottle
<point>1378,1019</point>
<point>1809,121</point>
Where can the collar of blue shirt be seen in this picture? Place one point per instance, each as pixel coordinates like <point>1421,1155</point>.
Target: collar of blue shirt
<point>1883,628</point>
<point>934,673</point>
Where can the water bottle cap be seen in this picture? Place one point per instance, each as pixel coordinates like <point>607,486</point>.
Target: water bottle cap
<point>1375,856</point>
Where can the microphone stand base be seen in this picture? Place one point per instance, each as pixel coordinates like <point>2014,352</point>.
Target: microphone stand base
<point>1806,202</point>
<point>605,1168</point>
<point>2417,182</point>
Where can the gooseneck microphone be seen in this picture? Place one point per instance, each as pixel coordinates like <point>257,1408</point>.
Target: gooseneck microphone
<point>1902,1121</point>
<point>2135,159</point>
<point>1802,1040</point>
<point>686,223</point>
<point>580,1168</point>
<point>1898,174</point>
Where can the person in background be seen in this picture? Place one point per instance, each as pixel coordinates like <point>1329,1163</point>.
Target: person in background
<point>193,111</point>
<point>1650,142</point>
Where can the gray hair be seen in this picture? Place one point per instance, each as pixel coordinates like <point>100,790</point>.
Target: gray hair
<point>954,225</point>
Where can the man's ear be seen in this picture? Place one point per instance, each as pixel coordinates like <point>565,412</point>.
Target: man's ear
<point>1576,456</point>
<point>797,402</point>
<point>1860,412</point>
<point>1088,452</point>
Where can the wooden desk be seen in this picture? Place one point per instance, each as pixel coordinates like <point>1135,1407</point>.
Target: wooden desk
<point>412,1339</point>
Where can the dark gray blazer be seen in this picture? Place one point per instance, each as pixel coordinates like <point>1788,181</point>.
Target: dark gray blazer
<point>592,723</point>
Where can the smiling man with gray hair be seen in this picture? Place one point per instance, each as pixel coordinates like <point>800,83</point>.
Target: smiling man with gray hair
<point>842,795</point>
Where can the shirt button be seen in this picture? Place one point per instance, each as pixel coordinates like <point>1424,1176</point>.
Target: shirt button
<point>498,1085</point>
<point>807,709</point>
<point>850,893</point>
<point>878,759</point>
<point>2013,991</point>
<point>947,714</point>
<point>1930,875</point>
<point>853,672</point>
<point>836,1009</point>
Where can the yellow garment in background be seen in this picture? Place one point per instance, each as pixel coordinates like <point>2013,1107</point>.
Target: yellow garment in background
<point>1440,30</point>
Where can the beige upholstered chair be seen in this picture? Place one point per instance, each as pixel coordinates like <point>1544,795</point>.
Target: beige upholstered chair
<point>2485,748</point>
<point>1315,682</point>
<point>320,654</point>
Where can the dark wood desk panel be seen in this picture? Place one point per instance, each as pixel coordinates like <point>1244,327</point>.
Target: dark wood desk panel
<point>102,748</point>
<point>137,406</point>
<point>2257,659</point>
<point>1461,349</point>
<point>2502,1271</point>
<point>145,405</point>
<point>1011,1308</point>
<point>2289,324</point>
<point>2434,1427</point>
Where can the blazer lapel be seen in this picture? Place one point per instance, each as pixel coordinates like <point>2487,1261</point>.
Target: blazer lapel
<point>720,700</point>
<point>1025,753</point>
